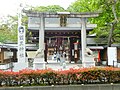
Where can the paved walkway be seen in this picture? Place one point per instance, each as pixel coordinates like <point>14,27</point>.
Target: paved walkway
<point>58,66</point>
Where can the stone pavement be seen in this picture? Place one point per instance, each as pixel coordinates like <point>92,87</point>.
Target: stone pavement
<point>53,64</point>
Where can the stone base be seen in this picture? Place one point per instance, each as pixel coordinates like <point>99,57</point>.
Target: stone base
<point>20,66</point>
<point>88,62</point>
<point>39,63</point>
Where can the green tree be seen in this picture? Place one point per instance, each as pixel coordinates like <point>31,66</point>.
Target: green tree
<point>108,20</point>
<point>4,33</point>
<point>9,29</point>
<point>50,8</point>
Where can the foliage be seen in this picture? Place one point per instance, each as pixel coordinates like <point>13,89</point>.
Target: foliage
<point>107,16</point>
<point>5,33</point>
<point>84,6</point>
<point>50,8</point>
<point>8,30</point>
<point>60,77</point>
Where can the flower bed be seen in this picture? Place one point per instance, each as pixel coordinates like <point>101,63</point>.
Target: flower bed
<point>52,77</point>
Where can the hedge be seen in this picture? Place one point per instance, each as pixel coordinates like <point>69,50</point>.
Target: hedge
<point>60,77</point>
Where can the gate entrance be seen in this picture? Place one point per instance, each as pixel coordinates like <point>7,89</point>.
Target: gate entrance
<point>58,45</point>
<point>67,42</point>
<point>60,31</point>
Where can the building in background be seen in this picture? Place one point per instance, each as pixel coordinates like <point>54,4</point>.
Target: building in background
<point>63,32</point>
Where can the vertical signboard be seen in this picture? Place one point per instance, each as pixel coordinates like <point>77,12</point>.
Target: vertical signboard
<point>112,56</point>
<point>21,44</point>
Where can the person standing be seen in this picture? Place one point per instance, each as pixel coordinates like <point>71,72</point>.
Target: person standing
<point>58,56</point>
<point>64,54</point>
<point>54,56</point>
<point>62,62</point>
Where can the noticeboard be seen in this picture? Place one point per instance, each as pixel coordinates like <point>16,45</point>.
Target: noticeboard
<point>112,56</point>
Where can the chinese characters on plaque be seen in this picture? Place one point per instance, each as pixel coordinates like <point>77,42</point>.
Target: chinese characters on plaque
<point>21,44</point>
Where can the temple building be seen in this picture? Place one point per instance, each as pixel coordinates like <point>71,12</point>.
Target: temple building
<point>62,32</point>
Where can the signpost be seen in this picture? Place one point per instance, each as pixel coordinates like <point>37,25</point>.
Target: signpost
<point>21,37</point>
<point>21,44</point>
<point>22,63</point>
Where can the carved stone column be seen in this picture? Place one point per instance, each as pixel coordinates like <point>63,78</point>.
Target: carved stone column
<point>83,38</point>
<point>39,62</point>
<point>87,61</point>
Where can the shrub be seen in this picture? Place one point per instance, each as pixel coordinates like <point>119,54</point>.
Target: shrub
<point>49,76</point>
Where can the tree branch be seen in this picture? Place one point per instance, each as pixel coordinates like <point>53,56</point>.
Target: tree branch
<point>114,11</point>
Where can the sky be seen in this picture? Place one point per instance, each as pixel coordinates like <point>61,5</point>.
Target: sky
<point>10,7</point>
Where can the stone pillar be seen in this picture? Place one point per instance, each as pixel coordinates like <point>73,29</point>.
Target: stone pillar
<point>83,38</point>
<point>39,62</point>
<point>87,60</point>
<point>41,32</point>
